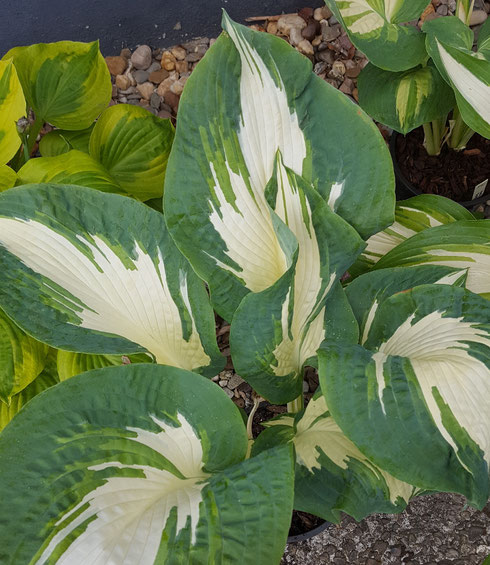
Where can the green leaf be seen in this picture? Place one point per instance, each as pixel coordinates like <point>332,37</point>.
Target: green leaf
<point>134,464</point>
<point>484,39</point>
<point>462,245</point>
<point>12,107</point>
<point>133,145</point>
<point>404,100</point>
<point>8,177</point>
<point>373,27</point>
<point>419,389</point>
<point>449,44</point>
<point>73,167</point>
<point>252,96</point>
<point>22,358</point>
<point>103,278</point>
<point>61,141</point>
<point>70,364</point>
<point>331,474</point>
<point>66,83</point>
<point>464,9</point>
<point>411,216</point>
<point>46,379</point>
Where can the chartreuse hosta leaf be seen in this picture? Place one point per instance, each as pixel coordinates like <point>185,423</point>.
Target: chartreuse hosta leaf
<point>411,216</point>
<point>462,245</point>
<point>12,107</point>
<point>92,272</point>
<point>331,474</point>
<point>8,177</point>
<point>251,97</point>
<point>373,27</point>
<point>133,145</point>
<point>74,167</point>
<point>289,317</point>
<point>419,388</point>
<point>69,364</point>
<point>22,358</point>
<point>404,100</point>
<point>61,141</point>
<point>133,465</point>
<point>66,83</point>
<point>46,379</point>
<point>449,44</point>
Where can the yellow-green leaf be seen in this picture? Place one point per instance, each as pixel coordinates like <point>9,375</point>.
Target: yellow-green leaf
<point>12,107</point>
<point>8,177</point>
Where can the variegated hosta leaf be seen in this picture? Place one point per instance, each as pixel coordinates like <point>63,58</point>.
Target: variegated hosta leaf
<point>411,216</point>
<point>133,145</point>
<point>70,364</point>
<point>22,358</point>
<point>74,167</point>
<point>133,465</point>
<point>331,474</point>
<point>419,389</point>
<point>373,27</point>
<point>61,141</point>
<point>8,177</point>
<point>46,379</point>
<point>66,83</point>
<point>462,245</point>
<point>12,107</point>
<point>368,291</point>
<point>484,39</point>
<point>93,272</point>
<point>250,97</point>
<point>288,319</point>
<point>464,9</point>
<point>449,44</point>
<point>404,100</point>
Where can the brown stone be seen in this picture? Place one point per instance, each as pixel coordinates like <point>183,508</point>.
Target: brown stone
<point>179,53</point>
<point>182,66</point>
<point>310,31</point>
<point>146,89</point>
<point>272,28</point>
<point>352,69</point>
<point>347,87</point>
<point>141,57</point>
<point>178,86</point>
<point>306,48</point>
<point>116,65</point>
<point>288,21</point>
<point>322,13</point>
<point>158,76</point>
<point>123,82</point>
<point>126,53</point>
<point>165,114</point>
<point>172,100</point>
<point>164,86</point>
<point>168,61</point>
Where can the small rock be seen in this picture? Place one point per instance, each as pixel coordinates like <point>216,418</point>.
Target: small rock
<point>295,37</point>
<point>116,65</point>
<point>168,61</point>
<point>272,28</point>
<point>215,379</point>
<point>229,392</point>
<point>452,553</point>
<point>172,100</point>
<point>451,4</point>
<point>306,13</point>
<point>306,48</point>
<point>141,76</point>
<point>329,33</point>
<point>320,67</point>
<point>338,70</point>
<point>158,76</point>
<point>326,56</point>
<point>179,53</point>
<point>194,57</point>
<point>436,3</point>
<point>178,26</point>
<point>141,57</point>
<point>442,10</point>
<point>146,89</point>
<point>322,13</point>
<point>155,101</point>
<point>178,86</point>
<point>347,87</point>
<point>155,66</point>
<point>123,82</point>
<point>476,532</point>
<point>165,115</point>
<point>288,21</point>
<point>164,86</point>
<point>223,382</point>
<point>306,386</point>
<point>478,17</point>
<point>352,69</point>
<point>181,66</point>
<point>316,42</point>
<point>310,31</point>
<point>235,381</point>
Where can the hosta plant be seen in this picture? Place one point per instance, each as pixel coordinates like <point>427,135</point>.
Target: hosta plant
<point>417,77</point>
<point>265,208</point>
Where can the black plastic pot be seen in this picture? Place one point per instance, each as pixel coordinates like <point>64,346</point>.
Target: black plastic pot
<point>405,189</point>
<point>307,535</point>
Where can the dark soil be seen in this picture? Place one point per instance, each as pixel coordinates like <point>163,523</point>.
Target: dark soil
<point>453,174</point>
<point>302,522</point>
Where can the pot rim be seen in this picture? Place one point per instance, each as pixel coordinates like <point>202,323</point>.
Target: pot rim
<point>310,533</point>
<point>400,177</point>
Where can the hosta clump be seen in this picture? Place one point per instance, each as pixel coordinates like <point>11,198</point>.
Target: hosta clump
<point>270,207</point>
<point>417,78</point>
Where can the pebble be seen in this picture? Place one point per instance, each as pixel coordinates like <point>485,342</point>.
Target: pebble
<point>126,53</point>
<point>329,33</point>
<point>295,36</point>
<point>194,57</point>
<point>164,114</point>
<point>182,66</point>
<point>165,85</point>
<point>235,381</point>
<point>155,66</point>
<point>272,28</point>
<point>168,61</point>
<point>116,65</point>
<point>478,17</point>
<point>347,87</point>
<point>123,82</point>
<point>338,70</point>
<point>288,21</point>
<point>178,86</point>
<point>179,53</point>
<point>322,13</point>
<point>443,10</point>
<point>172,100</point>
<point>146,89</point>
<point>158,76</point>
<point>310,31</point>
<point>141,76</point>
<point>141,57</point>
<point>306,48</point>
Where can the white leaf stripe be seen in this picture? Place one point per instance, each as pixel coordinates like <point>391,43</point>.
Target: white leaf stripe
<point>474,91</point>
<point>130,301</point>
<point>438,347</point>
<point>132,512</point>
